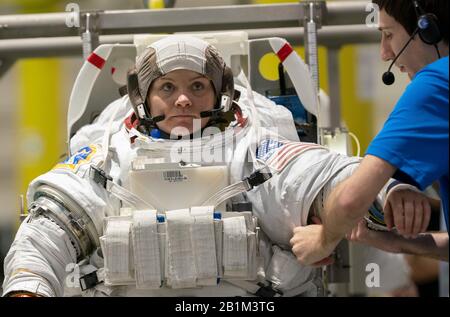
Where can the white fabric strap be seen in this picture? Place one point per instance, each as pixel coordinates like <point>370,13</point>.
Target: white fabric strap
<point>115,189</point>
<point>125,195</point>
<point>144,233</point>
<point>252,256</point>
<point>256,124</point>
<point>235,261</point>
<point>116,246</point>
<point>107,136</point>
<point>226,193</point>
<point>218,230</point>
<point>161,227</point>
<point>204,244</point>
<point>181,267</point>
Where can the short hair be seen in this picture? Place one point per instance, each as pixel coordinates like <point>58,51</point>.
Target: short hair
<point>403,12</point>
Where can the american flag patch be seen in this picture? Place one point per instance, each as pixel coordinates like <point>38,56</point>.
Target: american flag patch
<point>278,155</point>
<point>267,148</point>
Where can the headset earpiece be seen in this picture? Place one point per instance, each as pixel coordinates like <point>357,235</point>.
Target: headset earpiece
<point>135,96</point>
<point>428,25</point>
<point>429,29</point>
<point>146,122</point>
<point>227,90</point>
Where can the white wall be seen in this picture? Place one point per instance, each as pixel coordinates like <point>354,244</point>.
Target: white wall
<point>370,70</point>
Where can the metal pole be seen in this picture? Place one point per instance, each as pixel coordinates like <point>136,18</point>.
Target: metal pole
<point>90,35</point>
<point>312,22</point>
<point>35,25</point>
<point>329,36</point>
<point>55,46</point>
<point>311,25</point>
<point>180,19</point>
<point>346,12</point>
<point>335,88</point>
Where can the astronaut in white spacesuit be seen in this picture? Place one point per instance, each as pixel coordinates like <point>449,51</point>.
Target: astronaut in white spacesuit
<point>182,115</point>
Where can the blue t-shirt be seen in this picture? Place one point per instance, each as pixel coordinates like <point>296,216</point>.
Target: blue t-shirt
<point>415,137</point>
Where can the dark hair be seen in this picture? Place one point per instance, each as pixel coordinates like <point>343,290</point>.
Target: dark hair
<point>403,12</point>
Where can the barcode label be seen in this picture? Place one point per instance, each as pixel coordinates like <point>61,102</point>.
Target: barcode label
<point>173,176</point>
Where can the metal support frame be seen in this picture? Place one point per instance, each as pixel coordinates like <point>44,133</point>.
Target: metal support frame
<point>50,34</point>
<point>5,65</point>
<point>23,35</point>
<point>312,21</point>
<point>54,46</point>
<point>181,19</point>
<point>89,32</point>
<point>334,88</point>
<point>329,36</point>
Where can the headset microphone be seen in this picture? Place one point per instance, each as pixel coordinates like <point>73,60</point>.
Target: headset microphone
<point>388,77</point>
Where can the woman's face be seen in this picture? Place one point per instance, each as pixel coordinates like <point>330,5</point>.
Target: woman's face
<point>181,96</point>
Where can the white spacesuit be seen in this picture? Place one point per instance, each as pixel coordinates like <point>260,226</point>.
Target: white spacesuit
<point>88,209</point>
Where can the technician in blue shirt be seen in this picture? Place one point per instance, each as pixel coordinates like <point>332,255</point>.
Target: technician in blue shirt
<point>412,147</point>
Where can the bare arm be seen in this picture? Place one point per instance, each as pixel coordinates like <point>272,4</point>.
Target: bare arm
<point>344,207</point>
<point>351,199</point>
<point>433,245</point>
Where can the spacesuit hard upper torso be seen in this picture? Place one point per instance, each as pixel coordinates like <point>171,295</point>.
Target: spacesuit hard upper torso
<point>40,258</point>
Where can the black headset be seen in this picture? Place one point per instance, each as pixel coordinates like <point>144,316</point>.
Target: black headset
<point>428,31</point>
<point>428,25</point>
